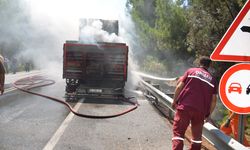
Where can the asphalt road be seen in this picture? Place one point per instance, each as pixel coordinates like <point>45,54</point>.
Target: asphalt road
<point>29,122</point>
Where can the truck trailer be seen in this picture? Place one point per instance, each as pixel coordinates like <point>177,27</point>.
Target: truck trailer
<point>95,68</point>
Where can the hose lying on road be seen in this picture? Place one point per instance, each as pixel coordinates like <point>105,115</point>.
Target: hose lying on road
<point>28,83</point>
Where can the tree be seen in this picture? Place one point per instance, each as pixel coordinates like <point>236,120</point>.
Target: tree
<point>209,21</point>
<point>164,36</point>
<point>183,29</point>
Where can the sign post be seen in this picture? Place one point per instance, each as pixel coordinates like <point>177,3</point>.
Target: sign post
<point>241,129</point>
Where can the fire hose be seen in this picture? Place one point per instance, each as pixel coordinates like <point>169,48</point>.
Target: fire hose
<point>28,83</point>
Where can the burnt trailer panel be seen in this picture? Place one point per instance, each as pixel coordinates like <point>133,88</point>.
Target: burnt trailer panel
<point>90,68</point>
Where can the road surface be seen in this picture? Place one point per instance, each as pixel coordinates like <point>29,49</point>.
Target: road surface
<point>32,122</point>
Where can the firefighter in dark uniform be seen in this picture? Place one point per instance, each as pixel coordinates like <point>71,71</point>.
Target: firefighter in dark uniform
<point>194,100</point>
<point>2,74</point>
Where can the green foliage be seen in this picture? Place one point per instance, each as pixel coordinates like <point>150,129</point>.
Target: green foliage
<point>152,64</point>
<point>183,29</point>
<point>208,22</point>
<point>171,26</point>
<point>163,34</point>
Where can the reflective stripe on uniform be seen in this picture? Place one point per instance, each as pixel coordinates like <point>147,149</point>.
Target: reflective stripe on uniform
<point>178,138</point>
<point>194,141</point>
<point>191,76</point>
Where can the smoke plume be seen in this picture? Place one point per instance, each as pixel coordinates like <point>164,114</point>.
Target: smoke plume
<point>39,29</point>
<point>91,31</point>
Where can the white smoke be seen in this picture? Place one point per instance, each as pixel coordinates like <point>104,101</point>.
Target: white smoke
<point>49,23</point>
<point>52,22</point>
<point>93,32</point>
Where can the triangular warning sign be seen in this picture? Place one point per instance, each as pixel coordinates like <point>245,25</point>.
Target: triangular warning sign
<point>235,44</point>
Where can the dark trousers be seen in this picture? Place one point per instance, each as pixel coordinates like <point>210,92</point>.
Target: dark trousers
<point>181,121</point>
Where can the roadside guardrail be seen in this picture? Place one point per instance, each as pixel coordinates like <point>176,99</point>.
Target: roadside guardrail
<point>212,134</point>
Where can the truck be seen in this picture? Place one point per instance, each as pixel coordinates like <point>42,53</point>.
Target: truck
<point>92,69</point>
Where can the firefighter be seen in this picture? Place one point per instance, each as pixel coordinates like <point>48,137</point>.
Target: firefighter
<point>194,100</point>
<point>230,126</point>
<point>2,74</point>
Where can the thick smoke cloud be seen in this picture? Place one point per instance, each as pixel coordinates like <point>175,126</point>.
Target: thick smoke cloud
<point>91,31</point>
<point>40,27</point>
<point>44,25</point>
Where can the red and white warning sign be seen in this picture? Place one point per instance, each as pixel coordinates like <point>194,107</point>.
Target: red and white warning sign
<point>234,88</point>
<point>234,46</point>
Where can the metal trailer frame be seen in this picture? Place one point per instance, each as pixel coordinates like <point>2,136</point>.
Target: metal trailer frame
<point>95,69</point>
